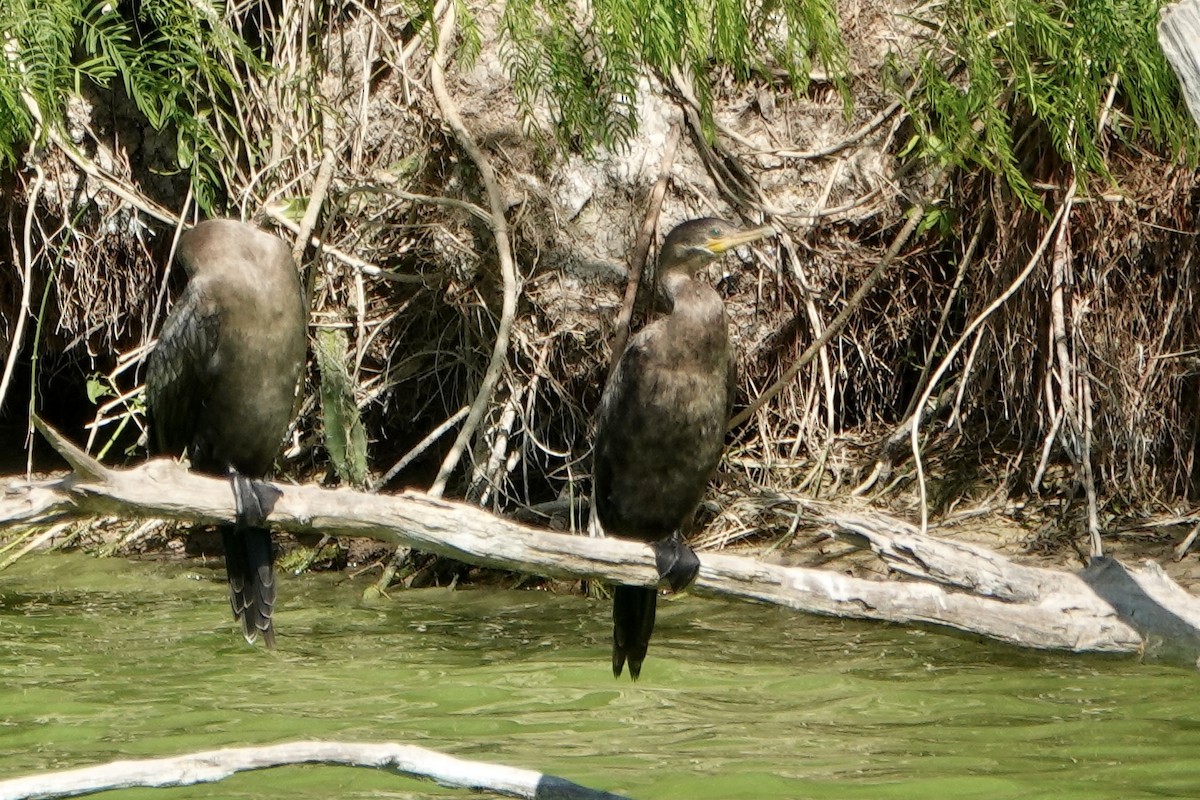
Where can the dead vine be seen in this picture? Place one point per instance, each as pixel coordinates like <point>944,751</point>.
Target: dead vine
<point>499,227</point>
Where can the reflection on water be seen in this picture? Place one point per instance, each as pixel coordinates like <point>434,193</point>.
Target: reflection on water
<point>101,659</point>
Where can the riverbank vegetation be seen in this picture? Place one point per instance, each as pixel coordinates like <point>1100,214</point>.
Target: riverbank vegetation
<point>987,215</point>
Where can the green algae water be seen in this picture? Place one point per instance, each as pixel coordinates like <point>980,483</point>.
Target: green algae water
<point>106,659</point>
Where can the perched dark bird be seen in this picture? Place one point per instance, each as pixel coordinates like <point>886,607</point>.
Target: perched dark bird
<point>221,384</point>
<point>661,425</point>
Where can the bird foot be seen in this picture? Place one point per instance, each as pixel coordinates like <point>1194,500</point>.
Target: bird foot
<point>253,500</point>
<point>676,562</point>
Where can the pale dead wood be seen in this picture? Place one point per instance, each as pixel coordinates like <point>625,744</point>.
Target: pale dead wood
<point>1183,547</point>
<point>1179,38</point>
<point>316,197</point>
<point>1107,608</point>
<point>215,765</point>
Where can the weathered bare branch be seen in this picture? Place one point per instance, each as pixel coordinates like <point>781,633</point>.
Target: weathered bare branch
<point>215,765</point>
<point>1106,608</point>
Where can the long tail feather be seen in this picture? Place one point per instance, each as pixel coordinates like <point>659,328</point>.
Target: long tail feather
<point>633,622</point>
<point>249,565</point>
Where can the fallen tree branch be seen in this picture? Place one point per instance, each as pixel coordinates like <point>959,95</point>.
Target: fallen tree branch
<point>215,765</point>
<point>1107,608</point>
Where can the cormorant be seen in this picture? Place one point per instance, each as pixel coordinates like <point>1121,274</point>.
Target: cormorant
<point>661,425</point>
<point>221,385</point>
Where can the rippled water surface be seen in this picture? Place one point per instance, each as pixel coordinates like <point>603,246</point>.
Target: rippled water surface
<point>104,659</point>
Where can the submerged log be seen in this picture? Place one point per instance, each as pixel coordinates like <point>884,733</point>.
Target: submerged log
<point>1108,607</point>
<point>215,765</point>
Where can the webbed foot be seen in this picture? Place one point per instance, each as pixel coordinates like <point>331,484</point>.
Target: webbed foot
<point>253,500</point>
<point>676,562</point>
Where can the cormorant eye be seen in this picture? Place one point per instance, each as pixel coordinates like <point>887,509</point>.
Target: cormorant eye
<point>714,231</point>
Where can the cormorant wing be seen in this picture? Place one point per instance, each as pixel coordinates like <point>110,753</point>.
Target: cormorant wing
<point>180,371</point>
<point>621,395</point>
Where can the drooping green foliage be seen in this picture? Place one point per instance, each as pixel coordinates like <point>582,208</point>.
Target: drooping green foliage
<point>1040,71</point>
<point>175,60</point>
<point>586,60</point>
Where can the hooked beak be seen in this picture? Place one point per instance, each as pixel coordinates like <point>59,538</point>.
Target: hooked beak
<point>723,244</point>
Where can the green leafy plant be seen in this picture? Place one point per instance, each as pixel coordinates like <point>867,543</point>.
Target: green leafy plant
<point>175,59</point>
<point>586,62</point>
<point>1023,75</point>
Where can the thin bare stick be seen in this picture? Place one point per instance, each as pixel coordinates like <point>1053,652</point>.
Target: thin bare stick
<point>814,316</point>
<point>418,448</point>
<point>216,765</point>
<point>915,438</point>
<point>320,188</point>
<point>956,409</point>
<point>641,248</point>
<point>37,537</point>
<point>931,350</point>
<point>434,200</point>
<point>489,475</point>
<point>18,337</point>
<point>1089,478</point>
<point>160,299</point>
<point>113,184</point>
<point>499,228</point>
<point>1072,381</point>
<point>867,128</point>
<point>89,168</point>
<point>1047,446</point>
<point>1096,544</point>
<point>365,267</point>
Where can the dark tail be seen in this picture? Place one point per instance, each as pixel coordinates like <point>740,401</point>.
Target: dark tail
<point>633,622</point>
<point>251,571</point>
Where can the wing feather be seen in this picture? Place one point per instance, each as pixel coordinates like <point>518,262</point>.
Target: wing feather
<point>180,372</point>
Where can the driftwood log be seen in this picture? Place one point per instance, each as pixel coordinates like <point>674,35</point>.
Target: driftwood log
<point>1108,607</point>
<point>216,765</point>
<point>1179,39</point>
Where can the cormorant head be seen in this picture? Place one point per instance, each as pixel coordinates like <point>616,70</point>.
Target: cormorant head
<point>692,245</point>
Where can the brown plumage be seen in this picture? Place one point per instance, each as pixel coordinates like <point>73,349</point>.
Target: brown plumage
<point>661,425</point>
<point>221,383</point>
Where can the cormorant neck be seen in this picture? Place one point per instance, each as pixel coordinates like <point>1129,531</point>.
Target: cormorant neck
<point>697,312</point>
<point>675,282</point>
